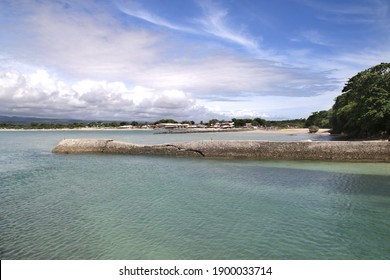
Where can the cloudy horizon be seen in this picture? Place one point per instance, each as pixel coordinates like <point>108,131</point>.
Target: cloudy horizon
<point>186,60</point>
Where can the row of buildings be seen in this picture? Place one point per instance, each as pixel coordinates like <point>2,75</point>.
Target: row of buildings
<point>170,126</point>
<point>224,125</point>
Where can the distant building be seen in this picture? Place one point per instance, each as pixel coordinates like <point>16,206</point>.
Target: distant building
<point>173,125</point>
<point>227,125</point>
<point>125,127</point>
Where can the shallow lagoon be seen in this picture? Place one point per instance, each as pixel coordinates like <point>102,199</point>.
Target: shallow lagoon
<point>137,207</point>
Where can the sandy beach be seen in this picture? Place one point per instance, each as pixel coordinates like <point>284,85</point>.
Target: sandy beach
<point>279,131</point>
<point>290,131</point>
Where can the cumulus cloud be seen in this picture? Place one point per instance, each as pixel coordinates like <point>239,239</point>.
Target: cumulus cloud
<point>42,94</point>
<point>114,68</point>
<point>84,47</point>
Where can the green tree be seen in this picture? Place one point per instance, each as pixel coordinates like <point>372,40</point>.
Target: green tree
<point>320,119</point>
<point>212,122</point>
<point>259,122</point>
<point>363,108</point>
<point>165,121</point>
<point>241,122</point>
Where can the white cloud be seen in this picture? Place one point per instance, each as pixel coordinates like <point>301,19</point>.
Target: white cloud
<point>135,9</point>
<point>373,12</point>
<point>79,43</point>
<point>312,36</point>
<point>108,68</point>
<point>42,94</point>
<point>80,46</point>
<point>215,22</point>
<point>85,46</point>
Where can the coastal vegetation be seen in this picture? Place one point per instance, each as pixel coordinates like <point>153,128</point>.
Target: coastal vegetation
<point>319,119</point>
<point>363,108</point>
<point>63,124</point>
<point>239,123</point>
<point>361,111</point>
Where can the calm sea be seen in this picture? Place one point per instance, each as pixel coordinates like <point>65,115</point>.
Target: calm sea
<point>145,207</point>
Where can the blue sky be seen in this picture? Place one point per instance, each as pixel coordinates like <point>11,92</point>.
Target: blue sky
<point>184,59</point>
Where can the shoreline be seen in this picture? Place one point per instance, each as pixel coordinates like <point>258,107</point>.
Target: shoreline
<point>201,130</point>
<point>354,151</point>
<point>165,131</point>
<point>291,131</point>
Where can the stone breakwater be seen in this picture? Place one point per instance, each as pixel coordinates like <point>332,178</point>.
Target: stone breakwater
<point>332,150</point>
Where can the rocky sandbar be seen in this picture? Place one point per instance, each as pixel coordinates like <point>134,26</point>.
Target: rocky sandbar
<point>326,150</point>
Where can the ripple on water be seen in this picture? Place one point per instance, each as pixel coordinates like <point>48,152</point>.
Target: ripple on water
<point>123,207</point>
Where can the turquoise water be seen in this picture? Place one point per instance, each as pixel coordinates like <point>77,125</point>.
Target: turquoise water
<point>140,207</point>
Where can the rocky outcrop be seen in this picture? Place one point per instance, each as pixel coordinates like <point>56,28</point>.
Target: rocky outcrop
<point>329,150</point>
<point>77,146</point>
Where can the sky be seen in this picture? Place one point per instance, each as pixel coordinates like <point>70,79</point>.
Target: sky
<point>184,59</point>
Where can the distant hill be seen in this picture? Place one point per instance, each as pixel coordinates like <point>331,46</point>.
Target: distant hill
<point>29,120</point>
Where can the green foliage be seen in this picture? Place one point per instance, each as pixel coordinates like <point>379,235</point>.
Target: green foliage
<point>296,123</point>
<point>259,122</point>
<point>70,125</point>
<point>8,125</point>
<point>212,122</point>
<point>320,119</point>
<point>241,122</point>
<point>363,108</point>
<point>112,124</point>
<point>165,121</point>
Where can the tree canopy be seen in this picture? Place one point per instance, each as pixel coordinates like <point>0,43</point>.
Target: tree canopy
<point>320,119</point>
<point>166,121</point>
<point>363,108</point>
